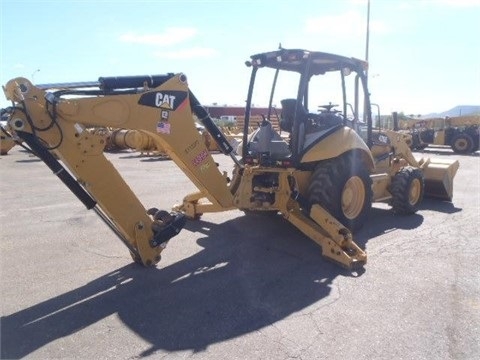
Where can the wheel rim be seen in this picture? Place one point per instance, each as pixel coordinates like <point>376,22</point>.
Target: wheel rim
<point>461,144</point>
<point>353,197</point>
<point>415,191</point>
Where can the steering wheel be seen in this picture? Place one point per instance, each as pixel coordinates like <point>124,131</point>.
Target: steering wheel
<point>328,108</point>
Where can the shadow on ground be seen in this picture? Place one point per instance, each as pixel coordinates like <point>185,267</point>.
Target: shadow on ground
<point>382,219</point>
<point>245,278</point>
<point>443,151</point>
<point>237,284</point>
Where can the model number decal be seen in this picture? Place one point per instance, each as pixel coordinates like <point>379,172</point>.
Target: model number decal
<point>191,146</point>
<point>383,139</point>
<point>167,100</point>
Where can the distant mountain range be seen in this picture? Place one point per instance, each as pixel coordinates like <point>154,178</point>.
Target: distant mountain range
<point>460,110</point>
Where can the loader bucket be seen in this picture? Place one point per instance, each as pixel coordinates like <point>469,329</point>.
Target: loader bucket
<point>439,174</point>
<point>6,143</point>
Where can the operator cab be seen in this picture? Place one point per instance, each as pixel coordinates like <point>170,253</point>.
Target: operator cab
<point>308,100</point>
<point>324,119</point>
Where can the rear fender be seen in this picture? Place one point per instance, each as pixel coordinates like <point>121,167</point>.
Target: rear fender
<point>335,144</point>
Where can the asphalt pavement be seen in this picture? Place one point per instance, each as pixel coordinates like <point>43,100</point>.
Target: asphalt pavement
<point>231,286</point>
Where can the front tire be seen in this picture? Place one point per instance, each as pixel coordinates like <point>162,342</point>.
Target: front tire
<point>343,187</point>
<point>407,190</point>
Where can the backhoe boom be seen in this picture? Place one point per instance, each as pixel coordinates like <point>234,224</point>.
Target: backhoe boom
<point>53,120</point>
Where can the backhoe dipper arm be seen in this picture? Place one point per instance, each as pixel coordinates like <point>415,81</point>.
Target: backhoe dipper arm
<point>55,121</point>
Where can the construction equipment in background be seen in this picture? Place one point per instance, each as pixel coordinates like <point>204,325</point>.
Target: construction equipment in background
<point>232,134</point>
<point>322,179</point>
<point>115,140</point>
<point>124,139</point>
<point>461,133</point>
<point>121,139</point>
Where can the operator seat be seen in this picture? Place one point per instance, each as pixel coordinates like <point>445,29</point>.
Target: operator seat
<point>287,115</point>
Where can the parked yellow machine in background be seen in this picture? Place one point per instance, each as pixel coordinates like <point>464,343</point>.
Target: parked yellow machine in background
<point>461,133</point>
<point>322,179</point>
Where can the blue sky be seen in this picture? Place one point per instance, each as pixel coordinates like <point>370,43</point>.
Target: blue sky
<point>424,54</point>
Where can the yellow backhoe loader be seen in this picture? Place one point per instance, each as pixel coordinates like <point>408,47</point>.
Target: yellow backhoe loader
<point>322,178</point>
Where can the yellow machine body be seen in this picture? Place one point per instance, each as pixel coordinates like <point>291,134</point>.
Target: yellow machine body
<point>394,153</point>
<point>170,125</point>
<point>163,110</point>
<point>343,140</point>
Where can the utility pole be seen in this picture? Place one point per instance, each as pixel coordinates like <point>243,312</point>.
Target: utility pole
<point>367,106</point>
<point>33,74</point>
<point>368,34</point>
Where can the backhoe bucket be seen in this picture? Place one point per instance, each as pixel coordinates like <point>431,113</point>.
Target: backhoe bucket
<point>439,176</point>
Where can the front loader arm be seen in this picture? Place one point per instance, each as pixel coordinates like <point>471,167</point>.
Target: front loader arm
<point>397,141</point>
<point>438,174</point>
<point>56,121</point>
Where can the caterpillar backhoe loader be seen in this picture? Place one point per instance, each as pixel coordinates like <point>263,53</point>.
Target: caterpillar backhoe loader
<point>322,178</point>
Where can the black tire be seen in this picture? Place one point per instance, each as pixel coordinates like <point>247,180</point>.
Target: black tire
<point>343,187</point>
<point>462,144</point>
<point>417,143</point>
<point>421,147</point>
<point>476,146</point>
<point>474,132</point>
<point>407,189</point>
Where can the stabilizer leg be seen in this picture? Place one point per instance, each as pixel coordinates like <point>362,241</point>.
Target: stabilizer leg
<point>335,239</point>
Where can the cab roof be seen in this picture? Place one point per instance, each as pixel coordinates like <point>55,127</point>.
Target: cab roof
<point>297,59</point>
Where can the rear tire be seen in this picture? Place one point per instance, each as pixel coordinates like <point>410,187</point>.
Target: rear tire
<point>343,187</point>
<point>407,189</point>
<point>462,144</point>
